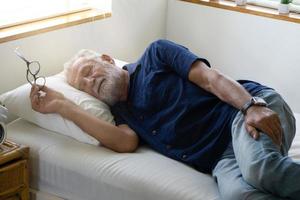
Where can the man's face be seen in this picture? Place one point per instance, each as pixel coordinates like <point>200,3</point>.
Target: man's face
<point>98,77</point>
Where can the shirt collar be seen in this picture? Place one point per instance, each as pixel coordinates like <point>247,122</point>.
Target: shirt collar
<point>130,67</point>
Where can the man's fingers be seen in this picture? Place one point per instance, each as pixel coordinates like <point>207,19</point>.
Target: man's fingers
<point>35,101</point>
<point>266,121</point>
<point>253,132</point>
<point>273,133</point>
<point>43,88</point>
<point>275,126</point>
<point>256,135</point>
<point>270,127</point>
<point>41,94</point>
<point>34,90</point>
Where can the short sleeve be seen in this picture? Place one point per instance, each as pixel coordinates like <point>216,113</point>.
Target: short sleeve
<point>174,56</point>
<point>116,110</point>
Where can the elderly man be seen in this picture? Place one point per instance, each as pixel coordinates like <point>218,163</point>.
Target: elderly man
<point>172,100</point>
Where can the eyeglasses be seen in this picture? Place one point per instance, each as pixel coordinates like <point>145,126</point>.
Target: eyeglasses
<point>33,68</point>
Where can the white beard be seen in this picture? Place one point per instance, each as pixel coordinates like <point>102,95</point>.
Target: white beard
<point>111,89</point>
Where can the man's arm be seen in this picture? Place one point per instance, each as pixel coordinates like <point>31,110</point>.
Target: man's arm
<point>118,138</point>
<point>220,85</point>
<point>233,93</point>
<point>189,66</point>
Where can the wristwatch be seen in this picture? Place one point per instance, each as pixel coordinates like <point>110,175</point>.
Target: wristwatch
<point>254,101</point>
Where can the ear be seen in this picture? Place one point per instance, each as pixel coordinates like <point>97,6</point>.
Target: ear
<point>107,58</point>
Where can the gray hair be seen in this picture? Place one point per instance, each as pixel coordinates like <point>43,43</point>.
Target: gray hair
<point>83,53</point>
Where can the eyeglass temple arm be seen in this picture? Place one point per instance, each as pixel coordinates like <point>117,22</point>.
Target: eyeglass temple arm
<point>20,55</point>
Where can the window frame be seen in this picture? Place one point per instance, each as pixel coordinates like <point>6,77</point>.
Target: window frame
<point>65,16</point>
<point>49,24</point>
<point>248,9</point>
<point>27,21</point>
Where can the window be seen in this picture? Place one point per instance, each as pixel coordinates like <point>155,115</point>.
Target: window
<point>263,8</point>
<point>294,6</point>
<point>13,12</point>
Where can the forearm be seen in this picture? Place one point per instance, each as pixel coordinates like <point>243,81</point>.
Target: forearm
<point>225,88</point>
<point>229,91</point>
<point>110,136</point>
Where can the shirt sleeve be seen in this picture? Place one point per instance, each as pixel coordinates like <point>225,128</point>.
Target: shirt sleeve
<point>117,117</point>
<point>171,55</point>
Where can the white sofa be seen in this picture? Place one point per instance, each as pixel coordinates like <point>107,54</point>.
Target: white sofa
<point>62,168</point>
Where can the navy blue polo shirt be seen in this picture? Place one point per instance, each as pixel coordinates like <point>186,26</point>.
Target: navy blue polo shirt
<point>173,115</point>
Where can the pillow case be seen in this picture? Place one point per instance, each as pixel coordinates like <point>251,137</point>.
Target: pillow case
<point>17,102</point>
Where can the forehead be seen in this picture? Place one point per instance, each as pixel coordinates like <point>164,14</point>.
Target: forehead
<point>78,66</point>
<point>74,70</point>
<point>82,62</point>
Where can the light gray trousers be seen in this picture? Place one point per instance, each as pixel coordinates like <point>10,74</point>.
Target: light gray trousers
<point>258,170</point>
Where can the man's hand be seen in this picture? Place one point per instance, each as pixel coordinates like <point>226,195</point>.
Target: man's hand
<point>263,119</point>
<point>257,119</point>
<point>109,135</point>
<point>46,100</point>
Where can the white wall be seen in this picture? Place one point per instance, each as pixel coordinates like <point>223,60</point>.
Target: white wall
<point>134,24</point>
<point>241,45</point>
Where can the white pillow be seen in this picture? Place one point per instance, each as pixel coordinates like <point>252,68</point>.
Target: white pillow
<point>17,101</point>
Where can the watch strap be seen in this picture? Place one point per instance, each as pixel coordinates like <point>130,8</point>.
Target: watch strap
<point>253,101</point>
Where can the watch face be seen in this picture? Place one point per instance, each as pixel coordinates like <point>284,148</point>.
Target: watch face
<point>259,101</point>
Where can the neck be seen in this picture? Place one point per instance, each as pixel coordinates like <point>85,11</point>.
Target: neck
<point>126,79</point>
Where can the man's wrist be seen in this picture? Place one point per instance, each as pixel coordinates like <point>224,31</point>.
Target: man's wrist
<point>65,107</point>
<point>254,101</point>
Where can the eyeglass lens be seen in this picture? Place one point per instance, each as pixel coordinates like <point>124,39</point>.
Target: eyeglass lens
<point>34,67</point>
<point>40,81</point>
<point>32,79</point>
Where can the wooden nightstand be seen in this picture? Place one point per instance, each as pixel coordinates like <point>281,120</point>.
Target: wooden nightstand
<point>14,171</point>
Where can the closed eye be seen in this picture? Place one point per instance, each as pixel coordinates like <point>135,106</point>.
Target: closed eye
<point>86,71</point>
<point>99,87</point>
